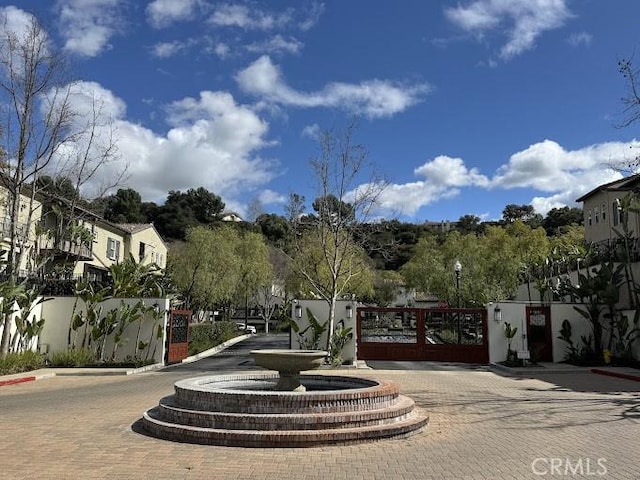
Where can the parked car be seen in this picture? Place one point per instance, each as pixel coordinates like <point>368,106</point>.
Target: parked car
<point>247,328</point>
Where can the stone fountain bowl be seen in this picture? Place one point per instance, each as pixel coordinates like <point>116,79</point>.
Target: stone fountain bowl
<point>289,361</point>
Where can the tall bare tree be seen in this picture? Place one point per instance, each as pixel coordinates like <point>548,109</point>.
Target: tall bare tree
<point>348,191</point>
<point>40,126</point>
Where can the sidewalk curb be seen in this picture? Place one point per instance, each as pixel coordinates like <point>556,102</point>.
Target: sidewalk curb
<point>25,379</point>
<point>609,373</point>
<point>214,350</point>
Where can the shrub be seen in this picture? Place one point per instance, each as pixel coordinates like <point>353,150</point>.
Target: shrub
<point>20,362</point>
<point>203,336</point>
<point>74,357</point>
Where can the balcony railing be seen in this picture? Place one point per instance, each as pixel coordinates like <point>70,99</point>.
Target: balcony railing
<point>61,246</point>
<point>614,250</point>
<point>21,229</point>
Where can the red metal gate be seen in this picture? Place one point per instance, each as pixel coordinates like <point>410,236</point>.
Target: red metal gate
<point>436,334</point>
<point>178,335</point>
<point>539,333</point>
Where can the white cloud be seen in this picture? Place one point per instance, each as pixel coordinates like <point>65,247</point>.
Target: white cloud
<point>162,13</point>
<point>312,16</point>
<point>269,197</point>
<point>16,23</point>
<point>443,178</point>
<point>88,25</point>
<point>556,176</point>
<point>522,20</point>
<point>371,98</point>
<point>241,16</point>
<point>450,172</point>
<point>276,44</point>
<point>580,39</point>
<point>170,49</point>
<point>222,50</point>
<point>564,174</point>
<point>213,142</point>
<point>311,131</point>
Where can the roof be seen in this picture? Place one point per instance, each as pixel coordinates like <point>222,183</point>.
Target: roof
<point>622,185</point>
<point>134,227</point>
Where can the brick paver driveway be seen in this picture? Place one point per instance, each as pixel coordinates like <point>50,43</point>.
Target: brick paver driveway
<point>482,426</point>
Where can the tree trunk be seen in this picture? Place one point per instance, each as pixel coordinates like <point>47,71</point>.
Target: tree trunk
<point>332,321</point>
<point>6,335</point>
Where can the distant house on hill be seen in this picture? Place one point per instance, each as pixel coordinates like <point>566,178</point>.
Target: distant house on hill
<point>441,227</point>
<point>231,217</point>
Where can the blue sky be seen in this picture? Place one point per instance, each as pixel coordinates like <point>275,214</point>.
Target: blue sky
<point>464,106</point>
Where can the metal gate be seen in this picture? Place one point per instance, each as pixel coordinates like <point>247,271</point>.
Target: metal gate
<point>177,336</point>
<point>436,334</point>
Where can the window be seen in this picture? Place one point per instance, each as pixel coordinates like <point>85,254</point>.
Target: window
<point>589,222</point>
<point>615,213</point>
<point>604,212</point>
<point>141,253</point>
<point>113,249</point>
<point>595,214</point>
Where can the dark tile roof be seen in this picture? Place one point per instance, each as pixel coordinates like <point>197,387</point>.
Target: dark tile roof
<point>623,185</point>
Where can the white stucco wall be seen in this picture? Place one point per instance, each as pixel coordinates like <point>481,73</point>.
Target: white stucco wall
<point>320,310</point>
<point>515,314</point>
<point>59,311</point>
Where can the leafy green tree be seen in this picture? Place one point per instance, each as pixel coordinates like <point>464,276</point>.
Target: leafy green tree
<point>276,229</point>
<point>124,207</point>
<point>559,219</point>
<point>513,212</point>
<point>255,271</point>
<point>491,263</point>
<point>59,186</point>
<point>184,210</point>
<point>205,267</point>
<point>469,224</point>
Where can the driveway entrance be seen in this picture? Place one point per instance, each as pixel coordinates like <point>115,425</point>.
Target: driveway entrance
<point>435,334</point>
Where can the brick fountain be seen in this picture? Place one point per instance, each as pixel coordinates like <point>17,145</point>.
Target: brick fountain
<point>284,409</point>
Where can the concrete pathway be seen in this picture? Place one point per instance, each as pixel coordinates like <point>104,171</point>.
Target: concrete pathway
<point>483,426</point>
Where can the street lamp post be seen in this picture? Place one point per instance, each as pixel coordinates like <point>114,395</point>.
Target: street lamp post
<point>457,268</point>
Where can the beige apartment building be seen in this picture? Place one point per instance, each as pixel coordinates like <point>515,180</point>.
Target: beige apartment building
<point>601,213</point>
<point>92,246</point>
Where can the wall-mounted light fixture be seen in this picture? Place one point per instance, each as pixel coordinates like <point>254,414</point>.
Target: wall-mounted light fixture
<point>349,311</point>
<point>497,314</point>
<point>298,311</point>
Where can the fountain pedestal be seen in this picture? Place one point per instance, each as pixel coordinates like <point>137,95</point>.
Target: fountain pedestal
<point>289,364</point>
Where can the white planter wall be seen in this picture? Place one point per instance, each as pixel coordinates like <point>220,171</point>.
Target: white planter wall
<point>59,311</point>
<point>320,310</point>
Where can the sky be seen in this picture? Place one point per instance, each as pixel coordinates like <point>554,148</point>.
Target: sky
<point>464,106</point>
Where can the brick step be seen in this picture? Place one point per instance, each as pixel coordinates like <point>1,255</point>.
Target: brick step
<point>337,394</point>
<point>169,412</point>
<point>412,423</point>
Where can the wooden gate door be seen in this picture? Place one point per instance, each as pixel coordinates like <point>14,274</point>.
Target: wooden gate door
<point>539,333</point>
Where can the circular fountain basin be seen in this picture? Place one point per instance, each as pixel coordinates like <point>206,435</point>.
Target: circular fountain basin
<point>245,410</point>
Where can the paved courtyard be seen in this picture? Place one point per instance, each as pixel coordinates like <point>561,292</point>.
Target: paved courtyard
<point>483,426</point>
